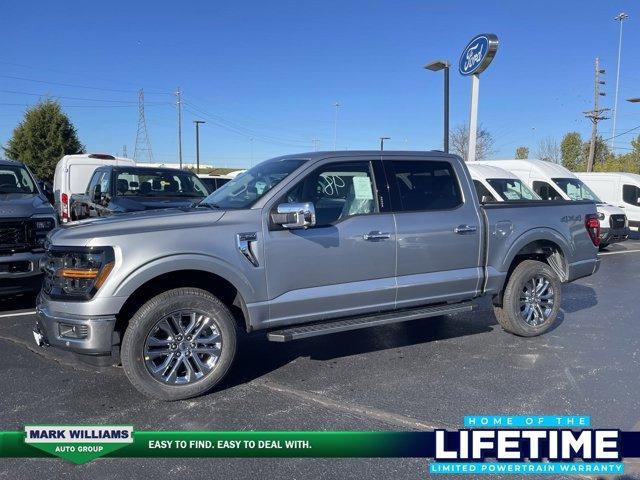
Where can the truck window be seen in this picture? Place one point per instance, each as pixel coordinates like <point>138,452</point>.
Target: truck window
<point>484,195</point>
<point>576,189</point>
<point>546,191</point>
<point>147,182</point>
<point>425,185</point>
<point>16,179</point>
<point>93,182</point>
<point>338,191</point>
<point>631,195</point>
<point>512,189</point>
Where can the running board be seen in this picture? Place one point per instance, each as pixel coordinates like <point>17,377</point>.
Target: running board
<point>365,321</point>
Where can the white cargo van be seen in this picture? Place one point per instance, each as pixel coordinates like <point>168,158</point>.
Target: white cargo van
<point>554,182</point>
<point>495,184</point>
<point>72,176</point>
<point>619,188</point>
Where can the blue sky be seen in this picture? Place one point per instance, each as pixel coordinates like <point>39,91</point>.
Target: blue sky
<point>272,71</point>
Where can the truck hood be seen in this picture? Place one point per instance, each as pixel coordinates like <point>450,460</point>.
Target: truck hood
<point>609,209</point>
<point>131,204</point>
<point>83,231</point>
<point>23,205</point>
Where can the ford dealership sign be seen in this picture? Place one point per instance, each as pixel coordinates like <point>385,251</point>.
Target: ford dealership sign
<point>478,54</point>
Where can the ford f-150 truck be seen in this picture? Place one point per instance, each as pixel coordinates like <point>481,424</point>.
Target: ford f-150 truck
<point>299,246</point>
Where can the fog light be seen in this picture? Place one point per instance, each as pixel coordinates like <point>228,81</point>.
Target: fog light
<point>73,331</point>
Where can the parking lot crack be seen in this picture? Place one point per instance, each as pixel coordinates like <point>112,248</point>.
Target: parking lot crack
<point>383,416</point>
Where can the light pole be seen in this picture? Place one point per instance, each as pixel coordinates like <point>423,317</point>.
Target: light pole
<point>197,123</point>
<point>335,126</point>
<point>435,67</point>
<point>621,17</point>
<point>382,139</point>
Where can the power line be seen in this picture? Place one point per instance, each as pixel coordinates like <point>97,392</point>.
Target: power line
<point>15,92</point>
<point>73,85</point>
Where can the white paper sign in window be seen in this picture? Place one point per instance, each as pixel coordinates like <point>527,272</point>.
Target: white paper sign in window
<point>362,188</point>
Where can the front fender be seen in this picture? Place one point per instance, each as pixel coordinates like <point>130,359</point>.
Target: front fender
<point>187,261</point>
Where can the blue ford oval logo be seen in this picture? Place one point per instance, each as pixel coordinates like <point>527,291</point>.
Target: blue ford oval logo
<point>478,54</point>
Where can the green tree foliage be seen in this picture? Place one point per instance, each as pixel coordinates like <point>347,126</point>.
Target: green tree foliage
<point>602,153</point>
<point>571,152</point>
<point>43,136</point>
<point>522,153</point>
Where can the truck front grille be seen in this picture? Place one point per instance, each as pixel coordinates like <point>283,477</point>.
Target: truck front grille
<point>617,221</point>
<point>15,235</point>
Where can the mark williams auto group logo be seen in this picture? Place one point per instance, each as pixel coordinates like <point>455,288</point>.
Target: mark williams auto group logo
<point>78,444</point>
<point>527,445</point>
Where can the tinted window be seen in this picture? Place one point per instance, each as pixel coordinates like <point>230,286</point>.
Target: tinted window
<point>425,185</point>
<point>484,195</point>
<point>546,191</point>
<point>631,195</point>
<point>512,189</point>
<point>576,189</point>
<point>93,182</point>
<point>337,191</point>
<point>158,183</point>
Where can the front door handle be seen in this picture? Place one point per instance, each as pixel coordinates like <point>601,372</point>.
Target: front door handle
<point>465,229</point>
<point>373,236</point>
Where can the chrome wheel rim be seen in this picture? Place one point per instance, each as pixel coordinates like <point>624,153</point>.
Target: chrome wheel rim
<point>536,300</point>
<point>182,347</point>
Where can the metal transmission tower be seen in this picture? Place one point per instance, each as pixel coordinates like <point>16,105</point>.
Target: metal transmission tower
<point>595,115</point>
<point>142,151</point>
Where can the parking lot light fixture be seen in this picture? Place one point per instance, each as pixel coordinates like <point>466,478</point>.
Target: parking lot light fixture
<point>436,66</point>
<point>634,100</point>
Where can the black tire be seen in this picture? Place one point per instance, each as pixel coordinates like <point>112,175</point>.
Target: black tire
<point>510,316</point>
<point>146,318</point>
<point>602,246</point>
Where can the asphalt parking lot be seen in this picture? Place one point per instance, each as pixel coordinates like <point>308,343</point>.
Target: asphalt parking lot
<point>417,375</point>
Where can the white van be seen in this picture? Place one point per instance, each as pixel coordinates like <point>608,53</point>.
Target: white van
<point>554,182</point>
<point>619,188</point>
<point>495,184</point>
<point>72,176</point>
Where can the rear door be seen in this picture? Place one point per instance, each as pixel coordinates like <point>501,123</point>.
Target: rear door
<point>439,231</point>
<point>345,264</point>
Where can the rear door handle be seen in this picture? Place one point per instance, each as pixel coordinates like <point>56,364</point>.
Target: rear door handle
<point>373,236</point>
<point>465,229</point>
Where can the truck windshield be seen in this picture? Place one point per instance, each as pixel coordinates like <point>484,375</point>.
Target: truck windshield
<point>16,179</point>
<point>576,189</point>
<point>138,182</point>
<point>512,189</point>
<point>248,187</point>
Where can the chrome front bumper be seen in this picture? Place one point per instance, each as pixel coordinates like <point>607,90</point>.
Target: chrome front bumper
<point>88,335</point>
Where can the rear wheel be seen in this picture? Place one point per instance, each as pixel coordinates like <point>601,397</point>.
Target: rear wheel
<point>531,300</point>
<point>179,344</point>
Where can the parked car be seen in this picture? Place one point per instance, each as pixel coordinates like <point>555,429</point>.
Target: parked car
<point>72,175</point>
<point>553,182</point>
<point>213,182</point>
<point>300,246</point>
<point>26,216</point>
<point>495,184</point>
<point>133,189</point>
<point>621,189</point>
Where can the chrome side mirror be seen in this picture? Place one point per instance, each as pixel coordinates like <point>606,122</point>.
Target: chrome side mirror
<point>295,215</point>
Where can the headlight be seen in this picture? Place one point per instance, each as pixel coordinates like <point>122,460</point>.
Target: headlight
<point>600,216</point>
<point>76,272</point>
<point>41,227</point>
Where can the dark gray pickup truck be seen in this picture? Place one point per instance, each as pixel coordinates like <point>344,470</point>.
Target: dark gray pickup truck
<point>299,246</point>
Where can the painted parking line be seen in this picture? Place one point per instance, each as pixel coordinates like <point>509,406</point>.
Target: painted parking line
<point>17,314</point>
<point>616,253</point>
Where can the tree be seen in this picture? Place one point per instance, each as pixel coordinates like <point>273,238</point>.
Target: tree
<point>43,136</point>
<point>602,152</point>
<point>548,150</point>
<point>522,153</point>
<point>571,152</point>
<point>460,142</point>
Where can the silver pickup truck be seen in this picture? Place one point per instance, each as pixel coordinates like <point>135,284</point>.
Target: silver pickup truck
<point>299,246</point>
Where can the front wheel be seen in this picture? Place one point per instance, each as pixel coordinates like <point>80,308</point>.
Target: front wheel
<point>531,300</point>
<point>179,344</point>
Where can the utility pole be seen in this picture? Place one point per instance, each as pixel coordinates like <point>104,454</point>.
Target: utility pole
<point>197,123</point>
<point>621,17</point>
<point>595,115</point>
<point>382,139</point>
<point>179,106</point>
<point>335,126</point>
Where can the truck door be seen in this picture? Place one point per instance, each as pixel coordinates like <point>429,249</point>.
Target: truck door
<point>345,264</point>
<point>439,231</point>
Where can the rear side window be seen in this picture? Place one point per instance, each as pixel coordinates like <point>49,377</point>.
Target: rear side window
<point>631,195</point>
<point>425,185</point>
<point>483,192</point>
<point>546,191</point>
